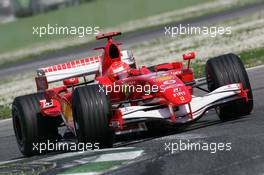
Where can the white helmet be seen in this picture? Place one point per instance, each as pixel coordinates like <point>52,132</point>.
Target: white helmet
<point>127,57</point>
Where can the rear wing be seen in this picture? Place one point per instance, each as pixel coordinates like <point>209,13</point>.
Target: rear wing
<point>108,35</point>
<point>72,69</point>
<point>67,70</point>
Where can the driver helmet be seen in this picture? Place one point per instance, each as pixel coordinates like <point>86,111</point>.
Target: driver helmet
<point>118,70</point>
<point>127,57</point>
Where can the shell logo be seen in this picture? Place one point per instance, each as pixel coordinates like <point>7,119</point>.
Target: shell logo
<point>67,111</point>
<point>182,98</point>
<point>164,78</point>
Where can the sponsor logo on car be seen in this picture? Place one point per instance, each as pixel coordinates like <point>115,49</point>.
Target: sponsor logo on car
<point>164,78</point>
<point>177,94</point>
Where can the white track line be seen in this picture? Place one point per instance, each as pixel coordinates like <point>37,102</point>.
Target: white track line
<point>90,173</point>
<point>104,156</point>
<point>256,67</point>
<point>71,154</point>
<point>11,161</point>
<point>129,155</point>
<point>5,120</point>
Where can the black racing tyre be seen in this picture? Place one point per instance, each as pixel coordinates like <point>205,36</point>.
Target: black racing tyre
<point>91,113</point>
<point>30,126</point>
<point>228,69</point>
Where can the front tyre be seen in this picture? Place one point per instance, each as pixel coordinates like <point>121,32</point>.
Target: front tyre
<point>228,69</point>
<point>91,113</point>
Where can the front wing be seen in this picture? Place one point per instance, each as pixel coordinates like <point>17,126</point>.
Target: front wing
<point>188,112</point>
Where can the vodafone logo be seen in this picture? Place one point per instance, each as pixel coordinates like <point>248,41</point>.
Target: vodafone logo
<point>177,94</point>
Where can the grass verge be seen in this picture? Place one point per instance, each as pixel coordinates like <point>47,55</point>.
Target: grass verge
<point>96,13</point>
<point>25,46</point>
<point>250,58</point>
<point>94,167</point>
<point>5,112</point>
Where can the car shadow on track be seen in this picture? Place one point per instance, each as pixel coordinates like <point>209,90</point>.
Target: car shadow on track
<point>155,132</point>
<point>163,131</point>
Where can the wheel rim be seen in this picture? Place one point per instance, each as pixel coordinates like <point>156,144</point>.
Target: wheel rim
<point>217,110</point>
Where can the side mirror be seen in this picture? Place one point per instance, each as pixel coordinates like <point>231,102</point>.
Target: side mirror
<point>189,56</point>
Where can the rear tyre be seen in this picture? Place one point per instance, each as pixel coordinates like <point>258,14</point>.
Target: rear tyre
<point>91,113</point>
<point>228,69</point>
<point>30,126</point>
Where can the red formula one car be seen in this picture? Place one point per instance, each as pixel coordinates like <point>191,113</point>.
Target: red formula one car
<point>123,98</point>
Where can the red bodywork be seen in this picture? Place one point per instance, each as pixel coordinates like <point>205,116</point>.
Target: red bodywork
<point>169,82</point>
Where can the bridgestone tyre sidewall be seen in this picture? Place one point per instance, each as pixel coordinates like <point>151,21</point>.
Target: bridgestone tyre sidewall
<point>35,128</point>
<point>92,112</point>
<point>228,69</point>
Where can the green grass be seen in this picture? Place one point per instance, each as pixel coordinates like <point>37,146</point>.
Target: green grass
<point>5,112</point>
<point>102,13</point>
<point>198,68</point>
<point>253,57</point>
<point>250,58</point>
<point>94,167</point>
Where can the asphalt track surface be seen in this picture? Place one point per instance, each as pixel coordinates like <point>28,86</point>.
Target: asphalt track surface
<point>246,136</point>
<point>129,39</point>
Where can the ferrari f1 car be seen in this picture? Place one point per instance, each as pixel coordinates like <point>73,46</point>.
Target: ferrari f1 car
<point>123,98</point>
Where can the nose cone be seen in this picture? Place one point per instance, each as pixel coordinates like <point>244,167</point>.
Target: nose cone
<point>177,95</point>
